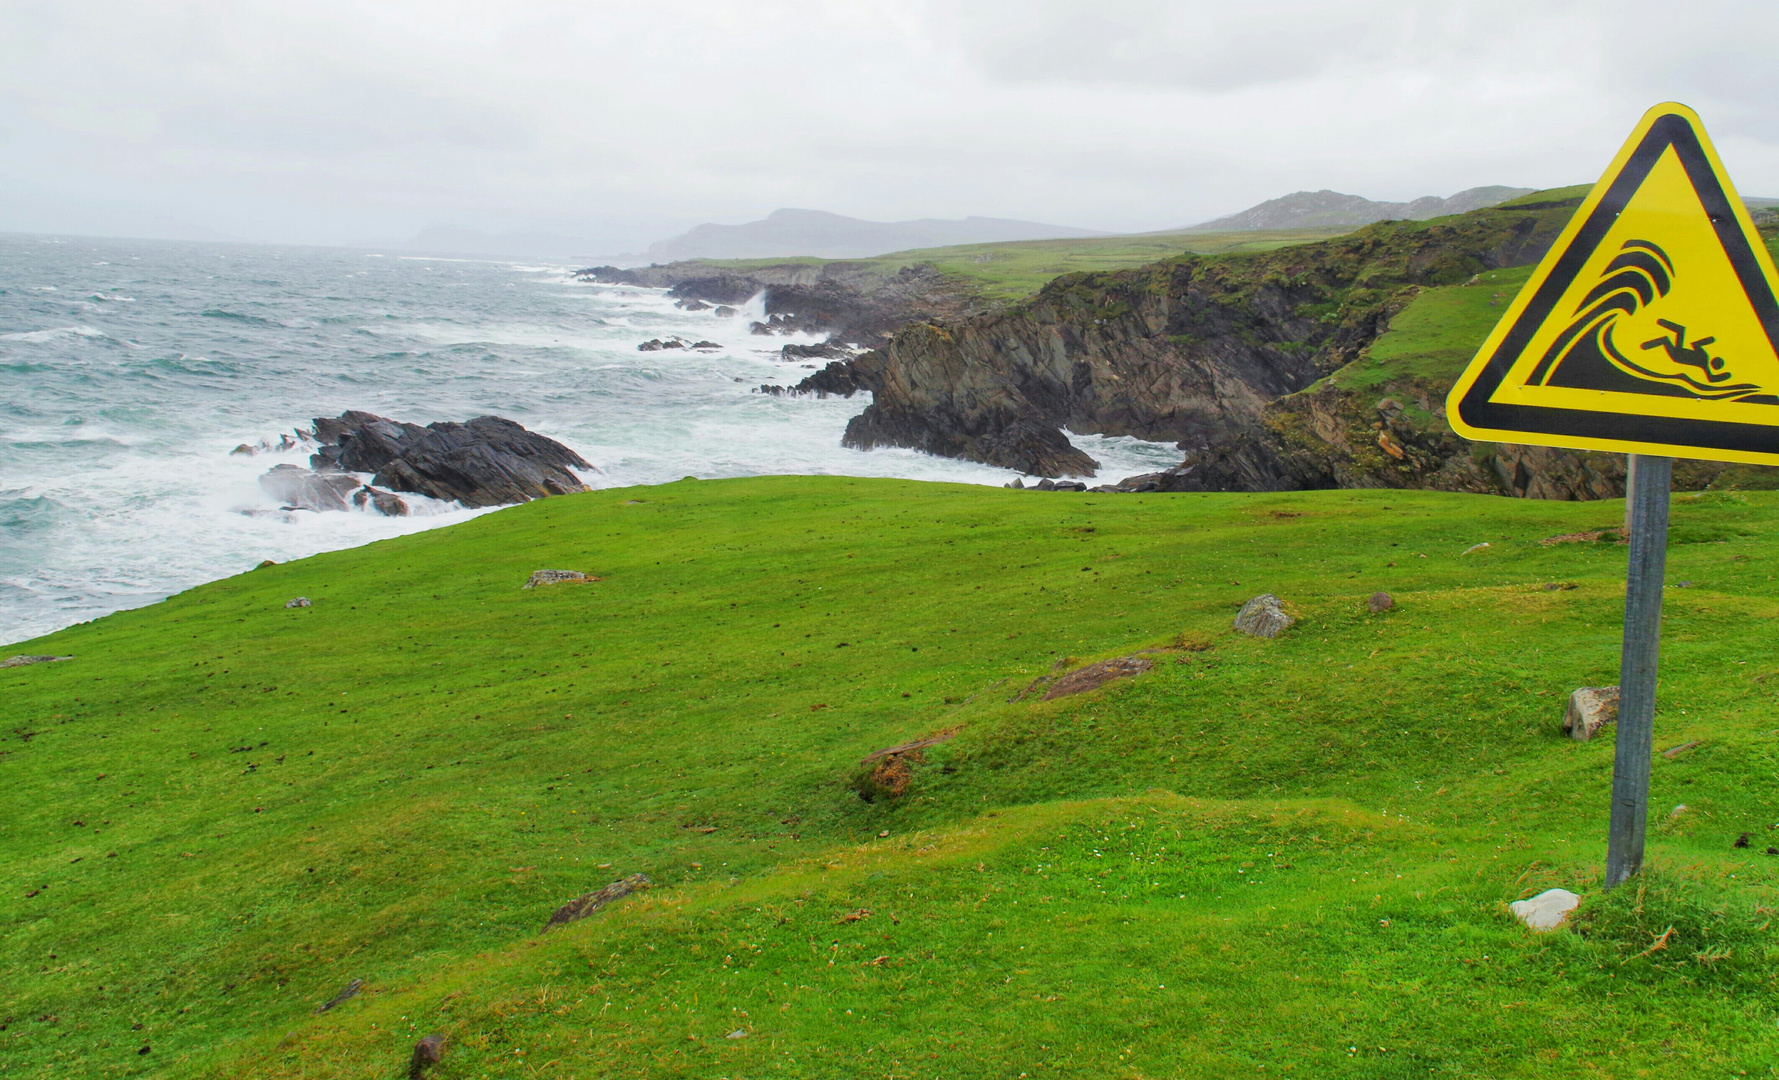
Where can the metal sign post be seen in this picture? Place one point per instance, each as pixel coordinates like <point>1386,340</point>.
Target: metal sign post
<point>1648,512</point>
<point>1650,328</point>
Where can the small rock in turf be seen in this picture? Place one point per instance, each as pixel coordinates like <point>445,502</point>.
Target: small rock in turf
<point>351,991</point>
<point>586,904</point>
<point>1263,617</point>
<point>1379,602</point>
<point>427,1053</point>
<point>1590,707</point>
<point>299,601</point>
<point>1741,841</point>
<point>1547,910</point>
<point>553,577</point>
<point>21,661</point>
<point>1094,676</point>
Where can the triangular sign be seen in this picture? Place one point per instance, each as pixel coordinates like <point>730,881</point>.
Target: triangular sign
<point>1650,327</point>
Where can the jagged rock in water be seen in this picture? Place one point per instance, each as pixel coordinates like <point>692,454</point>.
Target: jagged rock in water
<point>488,461</point>
<point>299,488</point>
<point>724,311</point>
<point>691,305</point>
<point>826,350</point>
<point>1263,617</point>
<point>838,379</point>
<point>1590,708</point>
<point>657,344</point>
<point>386,503</point>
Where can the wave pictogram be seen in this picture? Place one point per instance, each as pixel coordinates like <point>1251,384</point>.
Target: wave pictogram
<point>1587,356</point>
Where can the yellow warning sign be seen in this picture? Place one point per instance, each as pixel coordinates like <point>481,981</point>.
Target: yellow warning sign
<point>1650,327</point>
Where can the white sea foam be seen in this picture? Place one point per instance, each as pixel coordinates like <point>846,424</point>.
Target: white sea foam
<point>53,333</point>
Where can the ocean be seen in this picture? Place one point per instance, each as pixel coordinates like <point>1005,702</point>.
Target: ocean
<point>129,369</point>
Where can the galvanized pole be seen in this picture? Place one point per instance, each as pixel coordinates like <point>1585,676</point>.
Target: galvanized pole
<point>1637,666</point>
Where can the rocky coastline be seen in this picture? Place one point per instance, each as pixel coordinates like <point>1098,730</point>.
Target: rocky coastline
<point>854,303</point>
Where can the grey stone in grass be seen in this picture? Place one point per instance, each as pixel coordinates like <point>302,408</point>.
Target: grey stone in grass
<point>299,601</point>
<point>1263,617</point>
<point>1380,602</point>
<point>1590,708</point>
<point>553,577</point>
<point>21,661</point>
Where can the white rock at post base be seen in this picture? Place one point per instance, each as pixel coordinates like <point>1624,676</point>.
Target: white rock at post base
<point>1547,910</point>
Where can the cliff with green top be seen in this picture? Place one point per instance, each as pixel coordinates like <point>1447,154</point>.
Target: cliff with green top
<point>1320,365</point>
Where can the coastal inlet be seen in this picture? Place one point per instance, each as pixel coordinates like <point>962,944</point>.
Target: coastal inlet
<point>132,368</point>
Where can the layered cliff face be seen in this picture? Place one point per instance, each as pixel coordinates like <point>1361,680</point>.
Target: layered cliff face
<point>1191,350</point>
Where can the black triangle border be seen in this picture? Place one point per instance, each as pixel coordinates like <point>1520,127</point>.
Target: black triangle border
<point>1478,412</point>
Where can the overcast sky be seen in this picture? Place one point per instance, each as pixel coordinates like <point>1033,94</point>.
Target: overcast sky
<point>329,121</point>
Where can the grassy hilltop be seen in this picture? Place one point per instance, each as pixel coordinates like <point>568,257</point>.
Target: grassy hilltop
<point>1259,857</point>
<point>1013,269</point>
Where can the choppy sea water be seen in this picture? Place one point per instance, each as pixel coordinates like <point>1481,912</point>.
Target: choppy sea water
<point>129,369</point>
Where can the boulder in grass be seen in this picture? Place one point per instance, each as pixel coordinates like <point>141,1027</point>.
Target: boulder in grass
<point>1380,602</point>
<point>555,577</point>
<point>427,1053</point>
<point>1263,617</point>
<point>21,661</point>
<point>1590,708</point>
<point>1547,910</point>
<point>299,601</point>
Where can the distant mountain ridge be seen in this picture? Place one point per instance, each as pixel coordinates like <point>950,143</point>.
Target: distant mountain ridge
<point>834,236</point>
<point>1311,209</point>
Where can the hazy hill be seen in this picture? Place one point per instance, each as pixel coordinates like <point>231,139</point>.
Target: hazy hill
<point>832,236</point>
<point>1306,209</point>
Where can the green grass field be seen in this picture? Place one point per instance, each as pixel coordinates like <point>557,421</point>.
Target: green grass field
<point>1258,858</point>
<point>1016,269</point>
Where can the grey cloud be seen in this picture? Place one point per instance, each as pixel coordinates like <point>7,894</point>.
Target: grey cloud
<point>336,119</point>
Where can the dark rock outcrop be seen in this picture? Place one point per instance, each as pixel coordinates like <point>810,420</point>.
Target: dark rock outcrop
<point>488,461</point>
<point>387,503</point>
<point>826,350</point>
<point>837,379</point>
